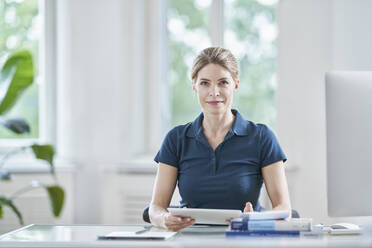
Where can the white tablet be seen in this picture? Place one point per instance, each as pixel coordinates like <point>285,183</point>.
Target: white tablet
<point>206,216</point>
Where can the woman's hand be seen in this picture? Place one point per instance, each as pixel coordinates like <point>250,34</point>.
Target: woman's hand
<point>176,223</point>
<point>248,207</point>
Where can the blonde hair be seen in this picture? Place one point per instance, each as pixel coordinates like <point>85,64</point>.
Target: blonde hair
<point>219,56</point>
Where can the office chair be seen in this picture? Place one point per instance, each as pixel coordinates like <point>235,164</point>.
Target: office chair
<point>146,217</point>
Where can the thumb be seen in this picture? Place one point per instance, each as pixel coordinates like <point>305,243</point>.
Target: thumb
<point>248,207</point>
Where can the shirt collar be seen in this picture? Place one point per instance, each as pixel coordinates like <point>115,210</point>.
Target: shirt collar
<point>195,126</point>
<point>240,125</point>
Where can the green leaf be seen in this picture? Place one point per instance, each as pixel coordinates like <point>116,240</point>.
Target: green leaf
<point>15,76</point>
<point>44,152</point>
<point>1,211</point>
<point>57,198</point>
<point>5,175</point>
<point>7,202</point>
<point>16,125</point>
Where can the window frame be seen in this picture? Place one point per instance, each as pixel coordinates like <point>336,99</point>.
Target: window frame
<point>46,82</point>
<point>216,25</point>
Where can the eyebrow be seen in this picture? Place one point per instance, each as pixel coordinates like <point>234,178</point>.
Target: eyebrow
<point>205,79</point>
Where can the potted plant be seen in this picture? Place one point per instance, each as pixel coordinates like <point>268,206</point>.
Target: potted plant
<point>16,75</point>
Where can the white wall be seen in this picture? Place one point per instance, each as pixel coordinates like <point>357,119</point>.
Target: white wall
<point>352,36</point>
<point>109,57</point>
<point>315,36</point>
<point>91,70</point>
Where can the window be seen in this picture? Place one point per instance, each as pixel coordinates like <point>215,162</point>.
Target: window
<point>188,34</point>
<point>249,31</point>
<point>20,27</point>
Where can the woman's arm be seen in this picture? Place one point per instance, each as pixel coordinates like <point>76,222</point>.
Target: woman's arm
<point>276,186</point>
<point>165,183</point>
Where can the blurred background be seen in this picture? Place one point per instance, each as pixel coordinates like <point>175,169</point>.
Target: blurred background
<point>112,77</point>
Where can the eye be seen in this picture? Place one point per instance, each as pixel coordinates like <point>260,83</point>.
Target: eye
<point>224,82</point>
<point>203,83</point>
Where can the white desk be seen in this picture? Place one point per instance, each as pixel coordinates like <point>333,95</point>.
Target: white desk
<point>86,236</point>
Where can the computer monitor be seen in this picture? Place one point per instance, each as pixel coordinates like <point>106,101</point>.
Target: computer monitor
<point>349,143</point>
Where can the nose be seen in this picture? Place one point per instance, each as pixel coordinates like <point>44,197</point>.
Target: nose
<point>215,91</point>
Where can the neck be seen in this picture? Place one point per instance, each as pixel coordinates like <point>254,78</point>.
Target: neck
<point>217,123</point>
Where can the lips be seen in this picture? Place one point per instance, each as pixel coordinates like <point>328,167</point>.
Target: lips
<point>214,102</point>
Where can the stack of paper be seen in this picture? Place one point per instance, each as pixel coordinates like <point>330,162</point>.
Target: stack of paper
<point>261,224</point>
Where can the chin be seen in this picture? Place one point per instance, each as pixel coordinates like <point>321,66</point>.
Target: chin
<point>214,110</point>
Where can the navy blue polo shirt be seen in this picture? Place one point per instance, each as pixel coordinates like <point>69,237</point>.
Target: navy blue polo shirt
<point>228,177</point>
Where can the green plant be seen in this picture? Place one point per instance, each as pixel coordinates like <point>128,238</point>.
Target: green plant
<point>16,75</point>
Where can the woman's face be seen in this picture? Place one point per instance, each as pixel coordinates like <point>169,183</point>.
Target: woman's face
<point>215,87</point>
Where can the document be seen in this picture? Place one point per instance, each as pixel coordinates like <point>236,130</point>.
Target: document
<point>140,235</point>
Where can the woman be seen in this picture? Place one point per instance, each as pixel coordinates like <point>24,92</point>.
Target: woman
<point>220,160</point>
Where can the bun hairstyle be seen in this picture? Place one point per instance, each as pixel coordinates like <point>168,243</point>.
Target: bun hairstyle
<point>216,55</point>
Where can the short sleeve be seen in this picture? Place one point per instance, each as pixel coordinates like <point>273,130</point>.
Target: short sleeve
<point>168,150</point>
<point>270,152</point>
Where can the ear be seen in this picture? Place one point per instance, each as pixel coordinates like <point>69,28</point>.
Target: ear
<point>193,86</point>
<point>236,85</point>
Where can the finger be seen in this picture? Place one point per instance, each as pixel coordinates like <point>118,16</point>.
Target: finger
<point>248,207</point>
<point>183,224</point>
<point>175,220</point>
<point>176,228</point>
<point>228,221</point>
<point>186,219</point>
<point>190,223</point>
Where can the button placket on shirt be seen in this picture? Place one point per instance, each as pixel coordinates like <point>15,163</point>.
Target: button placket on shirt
<point>214,154</point>
<point>203,140</point>
<point>217,152</point>
<point>213,163</point>
<point>214,159</point>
